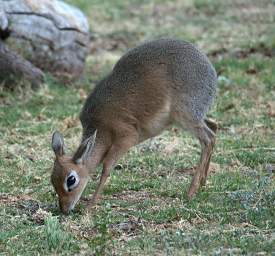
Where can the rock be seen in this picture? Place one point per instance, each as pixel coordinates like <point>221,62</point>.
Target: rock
<point>51,34</point>
<point>270,168</point>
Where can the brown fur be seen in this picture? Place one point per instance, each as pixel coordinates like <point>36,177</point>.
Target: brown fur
<point>150,87</point>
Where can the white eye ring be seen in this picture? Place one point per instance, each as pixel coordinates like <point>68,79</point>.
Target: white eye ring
<point>73,178</point>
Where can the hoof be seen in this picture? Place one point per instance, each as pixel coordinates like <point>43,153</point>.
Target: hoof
<point>191,193</point>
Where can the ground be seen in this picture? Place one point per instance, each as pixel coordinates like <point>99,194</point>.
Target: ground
<point>144,209</point>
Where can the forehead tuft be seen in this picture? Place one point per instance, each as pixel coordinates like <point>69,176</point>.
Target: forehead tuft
<point>62,167</point>
<point>64,163</point>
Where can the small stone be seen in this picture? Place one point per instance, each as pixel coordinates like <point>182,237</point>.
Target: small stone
<point>270,168</point>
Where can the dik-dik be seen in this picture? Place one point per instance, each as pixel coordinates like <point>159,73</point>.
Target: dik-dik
<point>152,86</point>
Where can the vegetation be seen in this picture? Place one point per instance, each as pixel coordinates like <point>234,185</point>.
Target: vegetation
<point>144,209</point>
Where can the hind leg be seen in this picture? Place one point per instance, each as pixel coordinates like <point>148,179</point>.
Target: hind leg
<point>206,170</point>
<point>213,127</point>
<point>207,140</point>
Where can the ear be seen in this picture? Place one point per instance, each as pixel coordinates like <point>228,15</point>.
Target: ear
<point>85,149</point>
<point>58,144</point>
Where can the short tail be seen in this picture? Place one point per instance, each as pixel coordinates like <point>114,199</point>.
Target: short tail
<point>211,124</point>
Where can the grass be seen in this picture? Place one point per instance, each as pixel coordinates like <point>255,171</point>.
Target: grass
<point>144,209</point>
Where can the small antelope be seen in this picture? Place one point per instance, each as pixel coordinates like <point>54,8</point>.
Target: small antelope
<point>152,86</point>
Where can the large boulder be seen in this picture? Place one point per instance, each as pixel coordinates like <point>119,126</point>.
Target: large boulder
<point>51,34</point>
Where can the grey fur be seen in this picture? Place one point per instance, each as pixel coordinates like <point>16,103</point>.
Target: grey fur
<point>58,143</point>
<point>187,78</point>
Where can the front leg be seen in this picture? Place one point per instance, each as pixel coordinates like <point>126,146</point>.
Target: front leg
<point>116,151</point>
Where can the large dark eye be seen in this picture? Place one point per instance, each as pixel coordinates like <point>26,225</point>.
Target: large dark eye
<point>71,181</point>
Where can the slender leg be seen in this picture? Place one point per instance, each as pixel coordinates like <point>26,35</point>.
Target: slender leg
<point>213,127</point>
<point>105,174</point>
<point>206,171</point>
<point>206,137</point>
<point>117,150</point>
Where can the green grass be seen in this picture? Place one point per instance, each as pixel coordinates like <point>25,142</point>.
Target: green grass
<point>144,209</point>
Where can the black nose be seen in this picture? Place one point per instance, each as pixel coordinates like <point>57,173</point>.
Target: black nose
<point>64,210</point>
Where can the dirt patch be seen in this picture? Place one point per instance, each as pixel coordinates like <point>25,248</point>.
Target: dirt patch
<point>125,230</point>
<point>27,205</point>
<point>181,224</point>
<point>218,52</point>
<point>83,232</point>
<point>15,200</point>
<point>261,49</point>
<point>128,228</point>
<point>171,146</point>
<point>152,145</point>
